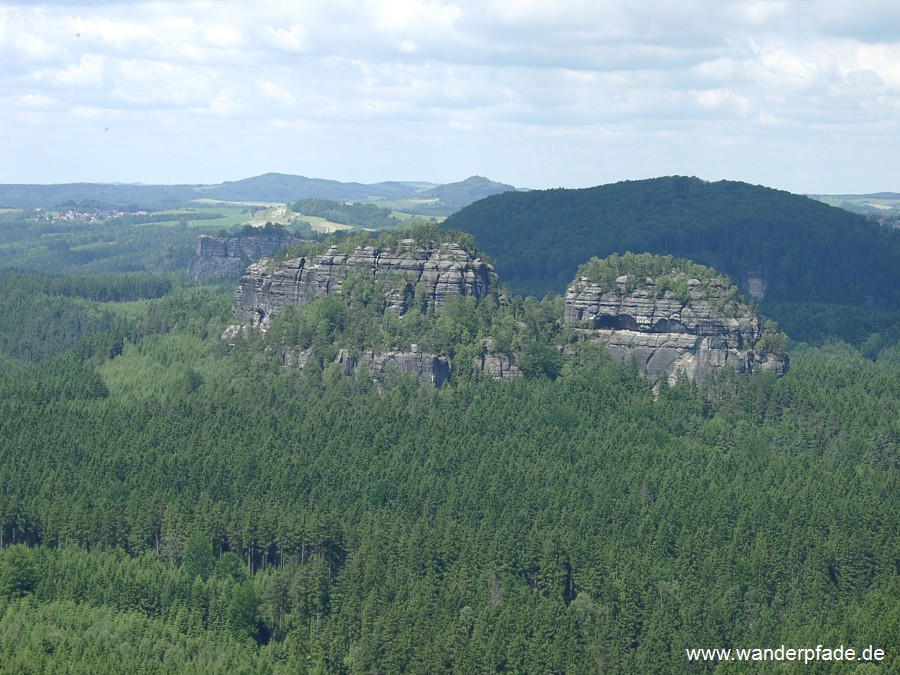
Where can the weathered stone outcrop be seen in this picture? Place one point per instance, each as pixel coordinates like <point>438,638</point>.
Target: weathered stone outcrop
<point>229,256</point>
<point>667,334</point>
<point>499,367</point>
<point>424,365</point>
<point>427,367</point>
<point>439,273</point>
<point>496,364</point>
<point>670,324</point>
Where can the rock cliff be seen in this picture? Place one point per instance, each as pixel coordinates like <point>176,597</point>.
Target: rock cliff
<point>671,316</point>
<point>439,272</point>
<point>229,256</point>
<point>671,325</point>
<point>427,367</point>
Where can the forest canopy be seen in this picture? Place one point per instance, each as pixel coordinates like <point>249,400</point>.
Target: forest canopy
<point>805,251</point>
<point>304,519</point>
<point>173,502</point>
<point>367,216</point>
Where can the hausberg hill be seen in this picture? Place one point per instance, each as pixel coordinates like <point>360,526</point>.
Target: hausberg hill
<point>778,247</point>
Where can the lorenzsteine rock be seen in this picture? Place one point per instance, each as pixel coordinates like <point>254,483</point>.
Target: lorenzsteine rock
<point>694,331</point>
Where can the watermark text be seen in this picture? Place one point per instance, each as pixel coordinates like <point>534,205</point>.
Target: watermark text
<point>804,655</point>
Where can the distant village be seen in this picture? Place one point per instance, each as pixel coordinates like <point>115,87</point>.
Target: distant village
<point>85,215</point>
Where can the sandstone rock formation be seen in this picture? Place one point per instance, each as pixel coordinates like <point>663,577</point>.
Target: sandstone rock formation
<point>427,367</point>
<point>499,367</point>
<point>667,334</point>
<point>496,364</point>
<point>674,318</point>
<point>229,256</point>
<point>407,274</point>
<point>440,272</point>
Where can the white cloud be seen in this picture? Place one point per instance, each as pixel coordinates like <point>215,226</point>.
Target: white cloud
<point>762,12</point>
<point>220,35</point>
<point>36,101</point>
<point>225,103</point>
<point>118,34</point>
<point>406,16</point>
<point>488,77</point>
<point>883,60</point>
<point>86,73</point>
<point>92,113</point>
<point>275,92</point>
<point>722,98</point>
<point>293,39</point>
<point>160,84</point>
<point>25,46</point>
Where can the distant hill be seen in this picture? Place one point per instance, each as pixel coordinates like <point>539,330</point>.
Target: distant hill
<point>417,197</point>
<point>794,248</point>
<point>880,205</point>
<point>450,197</point>
<point>19,196</point>
<point>892,196</point>
<point>279,187</point>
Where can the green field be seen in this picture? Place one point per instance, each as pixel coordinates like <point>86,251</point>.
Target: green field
<point>236,213</point>
<point>872,205</point>
<point>231,216</point>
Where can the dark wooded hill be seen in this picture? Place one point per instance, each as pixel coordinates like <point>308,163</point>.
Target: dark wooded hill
<point>803,250</point>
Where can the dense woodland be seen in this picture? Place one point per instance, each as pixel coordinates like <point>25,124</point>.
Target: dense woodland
<point>28,241</point>
<point>806,251</point>
<point>173,503</point>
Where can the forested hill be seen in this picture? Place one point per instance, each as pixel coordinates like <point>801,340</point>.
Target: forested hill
<point>803,250</point>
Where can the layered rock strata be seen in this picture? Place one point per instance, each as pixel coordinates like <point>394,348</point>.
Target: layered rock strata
<point>668,335</point>
<point>496,364</point>
<point>439,272</point>
<point>425,366</point>
<point>229,256</point>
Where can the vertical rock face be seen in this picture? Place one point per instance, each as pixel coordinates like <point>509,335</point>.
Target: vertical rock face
<point>666,334</point>
<point>427,367</point>
<point>675,318</point>
<point>498,367</point>
<point>496,364</point>
<point>439,272</point>
<point>756,287</point>
<point>402,275</point>
<point>228,256</point>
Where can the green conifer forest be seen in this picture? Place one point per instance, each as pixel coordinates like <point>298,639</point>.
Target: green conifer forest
<point>171,502</point>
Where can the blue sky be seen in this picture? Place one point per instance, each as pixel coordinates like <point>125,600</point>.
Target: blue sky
<point>801,95</point>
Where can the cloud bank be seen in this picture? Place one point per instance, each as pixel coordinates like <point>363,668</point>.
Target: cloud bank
<point>802,94</point>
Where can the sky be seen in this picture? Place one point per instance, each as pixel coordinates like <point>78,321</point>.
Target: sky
<point>799,95</point>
